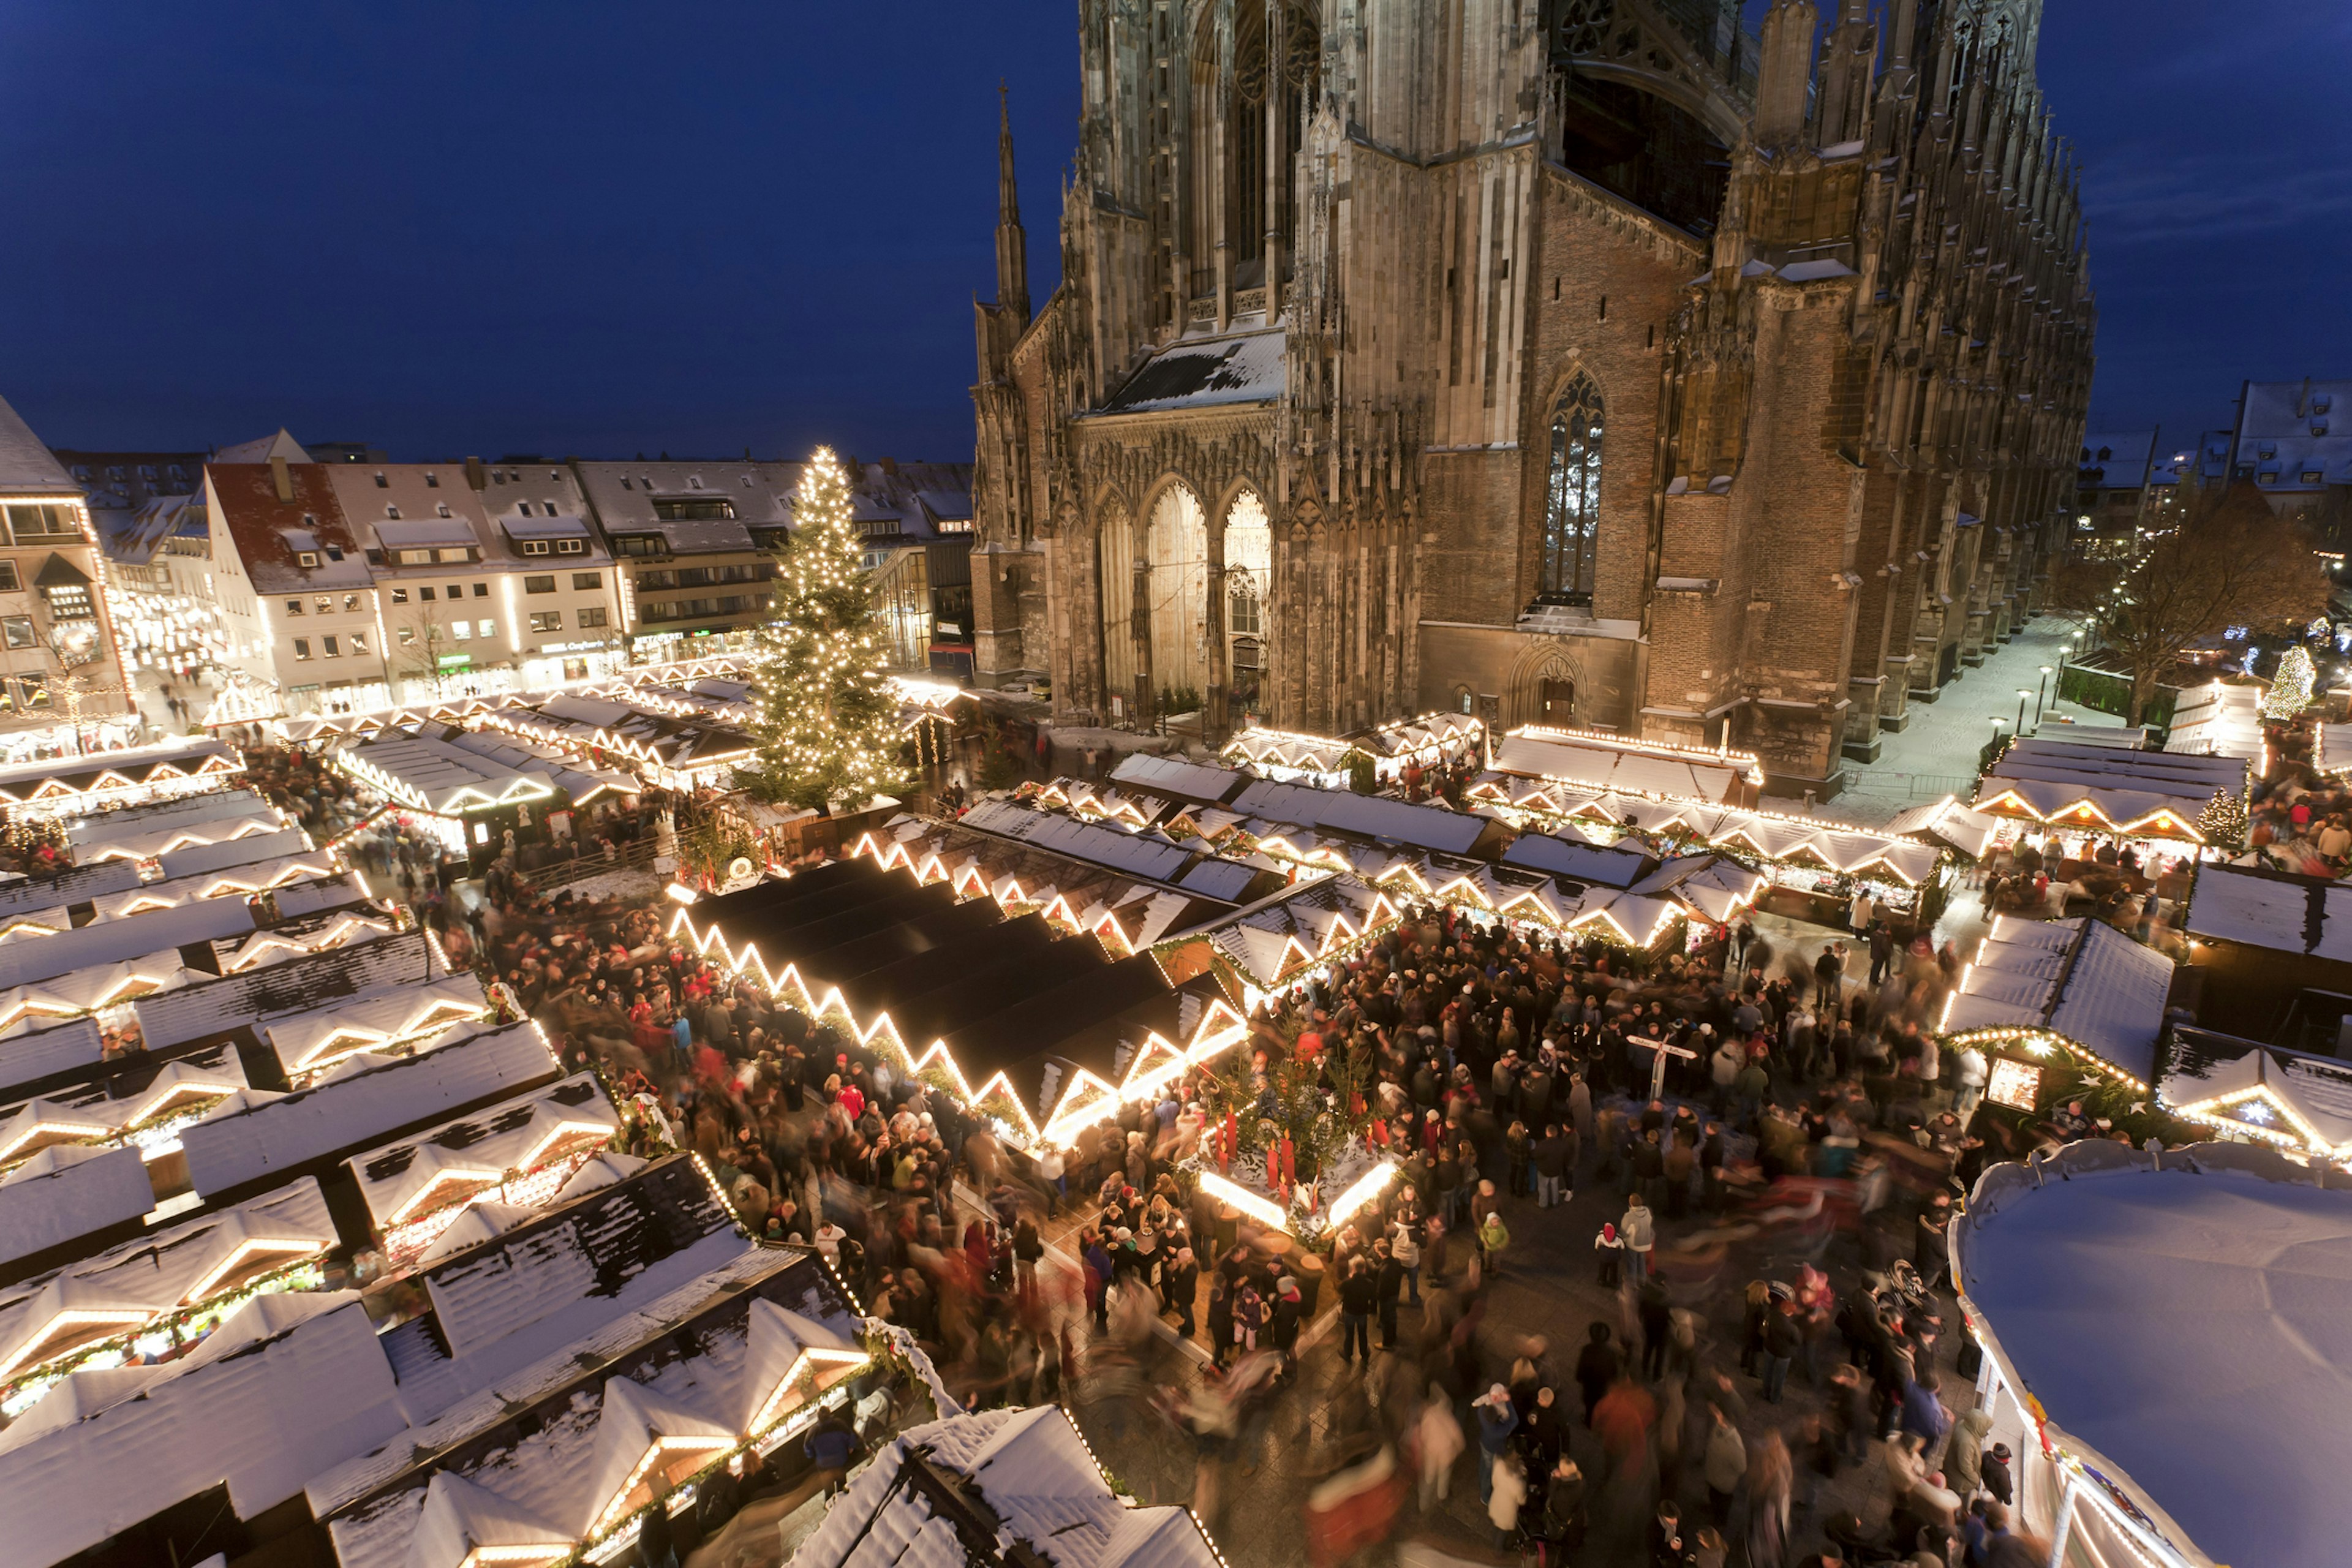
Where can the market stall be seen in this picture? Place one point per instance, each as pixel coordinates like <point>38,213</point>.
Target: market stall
<point>2250,1092</point>
<point>2039,996</point>
<point>2164,1353</point>
<point>2151,799</point>
<point>73,786</point>
<point>1601,762</point>
<point>2261,940</point>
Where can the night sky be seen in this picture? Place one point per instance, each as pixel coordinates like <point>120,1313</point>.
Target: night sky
<point>597,229</point>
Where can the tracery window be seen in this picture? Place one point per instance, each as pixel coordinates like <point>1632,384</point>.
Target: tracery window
<point>1572,497</point>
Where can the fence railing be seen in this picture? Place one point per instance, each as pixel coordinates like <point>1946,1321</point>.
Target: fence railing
<point>638,856</point>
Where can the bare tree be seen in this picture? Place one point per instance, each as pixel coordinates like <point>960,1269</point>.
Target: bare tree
<point>2229,562</point>
<point>418,643</point>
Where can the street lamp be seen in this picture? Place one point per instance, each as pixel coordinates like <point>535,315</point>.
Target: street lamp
<point>2044,696</point>
<point>2022,694</point>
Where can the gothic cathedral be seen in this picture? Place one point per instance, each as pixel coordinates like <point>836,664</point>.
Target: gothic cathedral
<point>1572,362</point>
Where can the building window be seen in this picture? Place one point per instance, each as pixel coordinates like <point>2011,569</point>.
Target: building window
<point>327,645</point>
<point>393,512</point>
<point>534,547</point>
<point>382,483</point>
<point>588,582</point>
<point>462,630</point>
<point>416,558</point>
<point>1465,700</point>
<point>487,628</point>
<point>570,546</point>
<point>9,581</point>
<point>538,584</point>
<point>1572,499</point>
<point>699,508</point>
<point>351,604</point>
<point>400,595</point>
<point>359,643</point>
<point>441,507</point>
<point>424,595</point>
<point>432,482</point>
<point>547,620</point>
<point>523,507</point>
<point>407,636</point>
<point>306,558</point>
<point>334,553</point>
<point>481,590</point>
<point>325,603</point>
<point>19,630</point>
<point>1242,617</point>
<point>302,647</point>
<point>592,617</point>
<point>34,690</point>
<point>454,557</point>
<point>456,590</point>
<point>293,607</point>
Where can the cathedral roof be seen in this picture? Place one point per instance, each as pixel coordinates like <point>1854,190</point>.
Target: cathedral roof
<point>1204,373</point>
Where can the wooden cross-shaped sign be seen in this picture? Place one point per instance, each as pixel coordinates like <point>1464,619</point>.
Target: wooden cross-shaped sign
<point>1659,1051</point>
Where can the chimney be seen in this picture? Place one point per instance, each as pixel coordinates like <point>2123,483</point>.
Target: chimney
<point>281,476</point>
<point>474,476</point>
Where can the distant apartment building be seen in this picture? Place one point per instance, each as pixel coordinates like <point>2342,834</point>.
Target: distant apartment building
<point>293,586</point>
<point>2293,443</point>
<point>694,547</point>
<point>64,684</point>
<point>148,508</point>
<point>916,523</point>
<point>2113,492</point>
<point>489,578</point>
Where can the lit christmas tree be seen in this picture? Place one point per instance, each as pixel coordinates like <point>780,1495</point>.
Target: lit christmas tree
<point>830,735</point>
<point>2222,822</point>
<point>2290,691</point>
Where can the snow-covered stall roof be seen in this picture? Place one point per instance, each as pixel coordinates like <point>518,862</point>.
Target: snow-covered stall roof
<point>2079,979</point>
<point>1434,828</point>
<point>2184,1330</point>
<point>1037,1484</point>
<point>217,1006</point>
<point>733,1353</point>
<point>2070,784</point>
<point>2303,915</point>
<point>1598,761</point>
<point>1579,860</point>
<point>2218,720</point>
<point>28,1055</point>
<point>429,773</point>
<point>213,819</point>
<point>1153,858</point>
<point>477,1152</point>
<point>202,860</point>
<point>66,781</point>
<point>287,1384</point>
<point>1968,830</point>
<point>2257,1091</point>
<point>35,959</point>
<point>251,1135</point>
<point>319,1037</point>
<point>1175,776</point>
<point>66,1192</point>
<point>174,1266</point>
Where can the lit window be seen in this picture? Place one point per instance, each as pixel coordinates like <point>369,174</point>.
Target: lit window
<point>407,636</point>
<point>534,547</point>
<point>326,603</point>
<point>489,628</point>
<point>400,595</point>
<point>19,630</point>
<point>351,602</point>
<point>306,558</point>
<point>9,581</point>
<point>461,630</point>
<point>547,620</point>
<point>359,642</point>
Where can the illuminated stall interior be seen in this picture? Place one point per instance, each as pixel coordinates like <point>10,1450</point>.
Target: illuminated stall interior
<point>2080,796</point>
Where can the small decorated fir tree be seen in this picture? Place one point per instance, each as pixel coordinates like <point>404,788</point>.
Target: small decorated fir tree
<point>2290,691</point>
<point>2222,822</point>
<point>829,735</point>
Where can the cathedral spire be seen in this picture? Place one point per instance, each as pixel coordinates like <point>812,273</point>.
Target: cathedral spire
<point>1011,242</point>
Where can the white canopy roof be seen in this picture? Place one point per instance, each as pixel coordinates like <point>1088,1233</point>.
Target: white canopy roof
<point>2080,979</point>
<point>2185,1330</point>
<point>307,1041</point>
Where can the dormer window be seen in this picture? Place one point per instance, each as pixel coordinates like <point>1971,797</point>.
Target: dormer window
<point>306,558</point>
<point>442,509</point>
<point>393,512</point>
<point>693,482</point>
<point>498,477</point>
<point>534,547</point>
<point>626,483</point>
<point>334,553</point>
<point>524,506</point>
<point>571,547</point>
<point>380,482</point>
<point>432,482</point>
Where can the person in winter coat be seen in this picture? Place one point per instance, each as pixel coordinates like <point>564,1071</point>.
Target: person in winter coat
<point>1493,1239</point>
<point>1964,1456</point>
<point>1993,1472</point>
<point>1404,1246</point>
<point>1388,1278</point>
<point>1597,1365</point>
<point>1640,1238</point>
<point>1359,1298</point>
<point>1610,1247</point>
<point>1507,1490</point>
<point>1438,1442</point>
<point>1727,1462</point>
<point>1566,1512</point>
<point>1497,1419</point>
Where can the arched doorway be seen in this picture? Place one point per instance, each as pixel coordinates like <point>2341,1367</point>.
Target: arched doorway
<point>1176,563</point>
<point>1249,583</point>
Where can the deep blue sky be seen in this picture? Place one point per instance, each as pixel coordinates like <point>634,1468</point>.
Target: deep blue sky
<point>599,228</point>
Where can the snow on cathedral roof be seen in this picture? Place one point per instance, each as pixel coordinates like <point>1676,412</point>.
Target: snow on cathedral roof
<point>1202,373</point>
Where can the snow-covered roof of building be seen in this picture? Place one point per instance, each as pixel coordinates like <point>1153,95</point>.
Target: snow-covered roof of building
<point>1965,829</point>
<point>28,1055</point>
<point>1579,861</point>
<point>286,1384</point>
<point>2118,461</point>
<point>1037,1485</point>
<point>361,1101</point>
<point>104,774</point>
<point>1154,859</point>
<point>1619,763</point>
<point>1203,373</point>
<point>429,772</point>
<point>121,837</point>
<point>2079,979</point>
<point>2292,436</point>
<point>27,466</point>
<point>35,959</point>
<point>2183,1330</point>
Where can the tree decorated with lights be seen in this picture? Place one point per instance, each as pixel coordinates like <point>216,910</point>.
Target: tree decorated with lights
<point>2223,821</point>
<point>829,735</point>
<point>2290,691</point>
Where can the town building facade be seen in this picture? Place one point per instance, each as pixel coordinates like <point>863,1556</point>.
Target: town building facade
<point>64,686</point>
<point>1625,369</point>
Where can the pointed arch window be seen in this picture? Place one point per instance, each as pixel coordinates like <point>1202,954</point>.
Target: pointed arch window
<point>1572,497</point>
